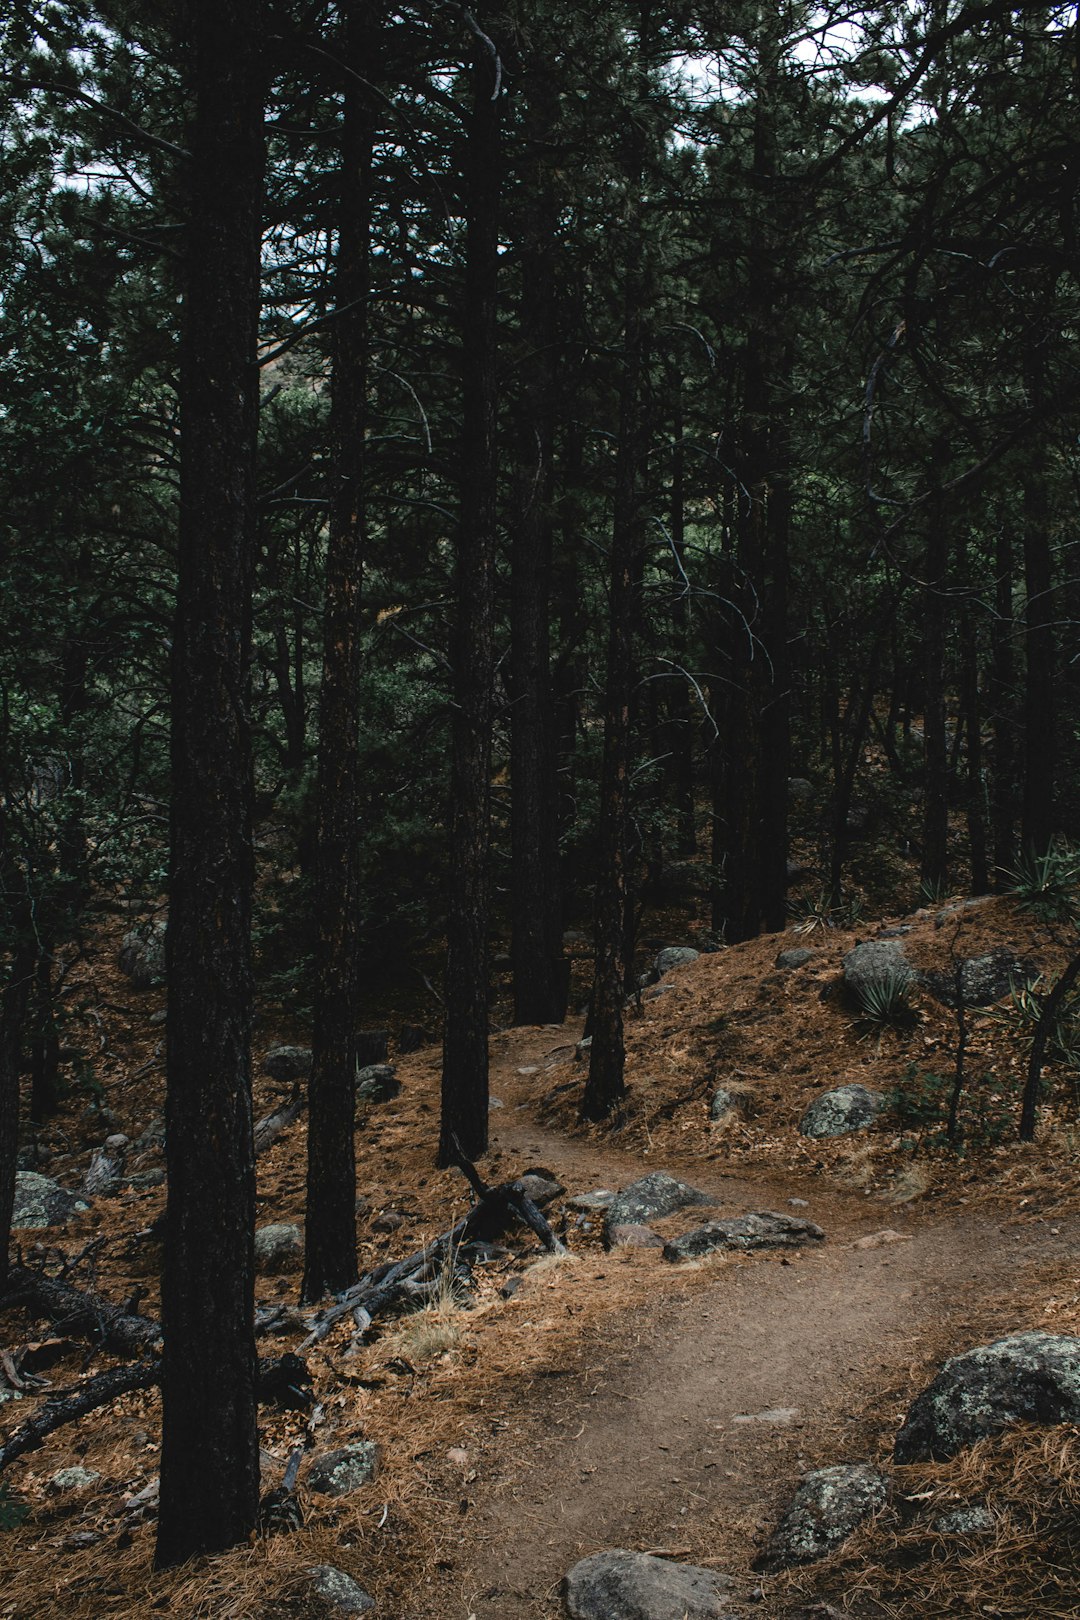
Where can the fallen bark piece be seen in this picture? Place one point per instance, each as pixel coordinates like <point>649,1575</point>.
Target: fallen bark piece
<point>622,1585</point>
<point>270,1127</point>
<point>763,1230</point>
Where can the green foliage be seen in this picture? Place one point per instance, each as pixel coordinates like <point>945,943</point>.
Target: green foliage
<point>885,1001</point>
<point>987,1109</point>
<point>814,913</point>
<point>1048,885</point>
<point>1018,1017</point>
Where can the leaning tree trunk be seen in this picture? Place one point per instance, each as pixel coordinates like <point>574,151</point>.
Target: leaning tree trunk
<point>330,1222</point>
<point>464,1123</point>
<point>210,1451</point>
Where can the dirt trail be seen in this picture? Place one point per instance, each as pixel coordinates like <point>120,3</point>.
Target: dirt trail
<point>644,1446</point>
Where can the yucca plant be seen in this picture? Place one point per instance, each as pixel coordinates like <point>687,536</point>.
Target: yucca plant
<point>885,1001</point>
<point>1048,885</point>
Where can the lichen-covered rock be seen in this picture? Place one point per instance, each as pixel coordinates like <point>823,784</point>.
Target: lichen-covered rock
<point>829,1504</point>
<point>876,961</point>
<point>971,1520</point>
<point>591,1203</point>
<point>650,1198</point>
<point>673,956</point>
<point>621,1585</point>
<point>41,1202</point>
<point>377,1083</point>
<point>288,1062</point>
<point>839,1112</point>
<point>795,958</point>
<point>1027,1378</point>
<point>983,979</point>
<point>72,1479</point>
<point>142,955</point>
<point>541,1187</point>
<point>723,1106</point>
<point>763,1230</point>
<point>339,1473</point>
<point>277,1245</point>
<point>336,1594</point>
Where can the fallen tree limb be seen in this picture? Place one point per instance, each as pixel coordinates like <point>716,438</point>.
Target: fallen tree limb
<point>491,1213</point>
<point>283,1378</point>
<point>87,1397</point>
<point>83,1314</point>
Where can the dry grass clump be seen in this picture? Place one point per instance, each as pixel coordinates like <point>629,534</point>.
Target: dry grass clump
<point>1026,1567</point>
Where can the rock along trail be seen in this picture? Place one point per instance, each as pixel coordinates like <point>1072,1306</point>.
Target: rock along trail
<point>695,1415</point>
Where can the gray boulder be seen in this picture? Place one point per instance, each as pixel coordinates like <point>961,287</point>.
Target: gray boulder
<point>72,1479</point>
<point>796,958</point>
<point>876,961</point>
<point>376,1083</point>
<point>763,1230</point>
<point>839,1112</point>
<point>540,1187</point>
<point>829,1504</point>
<point>1027,1378</point>
<point>650,1198</point>
<point>983,979</point>
<point>673,956</point>
<point>142,955</point>
<point>288,1062</point>
<point>336,1594</point>
<point>635,1586</point>
<point>339,1473</point>
<point>41,1202</point>
<point>276,1245</point>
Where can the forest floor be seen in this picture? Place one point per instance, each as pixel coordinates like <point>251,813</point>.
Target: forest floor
<point>616,1400</point>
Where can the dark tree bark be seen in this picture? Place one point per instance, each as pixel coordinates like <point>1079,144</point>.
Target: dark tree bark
<point>540,973</point>
<point>18,952</point>
<point>464,1123</point>
<point>1002,705</point>
<point>605,1085</point>
<point>210,1454</point>
<point>680,735</point>
<point>1040,704</point>
<point>330,1224</point>
<point>934,872</point>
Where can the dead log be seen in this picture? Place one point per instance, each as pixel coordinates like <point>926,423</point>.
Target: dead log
<point>84,1314</point>
<point>268,1129</point>
<point>282,1378</point>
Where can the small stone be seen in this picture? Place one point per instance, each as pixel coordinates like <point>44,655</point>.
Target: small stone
<point>73,1479</point>
<point>879,1240</point>
<point>496,1102</point>
<point>591,1202</point>
<point>142,955</point>
<point>529,1068</point>
<point>674,956</point>
<point>796,958</point>
<point>799,1203</point>
<point>339,1473</point>
<point>458,1456</point>
<point>388,1221</point>
<point>277,1245</point>
<point>339,1596</point>
<point>874,962</point>
<point>633,1237</point>
<point>288,1062</point>
<point>510,1287</point>
<point>377,1083</point>
<point>540,1188</point>
<point>621,1585</point>
<point>772,1415</point>
<point>964,1521</point>
<point>653,1196</point>
<point>829,1504</point>
<point>9,1395</point>
<point>840,1112</point>
<point>763,1230</point>
<point>727,1106</point>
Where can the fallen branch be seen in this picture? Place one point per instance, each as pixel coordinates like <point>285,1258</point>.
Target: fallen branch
<point>385,1285</point>
<point>283,1378</point>
<point>84,1314</point>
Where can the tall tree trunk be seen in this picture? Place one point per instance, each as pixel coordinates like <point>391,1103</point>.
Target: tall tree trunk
<point>680,734</point>
<point>934,873</point>
<point>605,1085</point>
<point>1003,707</point>
<point>18,950</point>
<point>330,1221</point>
<point>540,972</point>
<point>1040,743</point>
<point>464,1124</point>
<point>210,1452</point>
